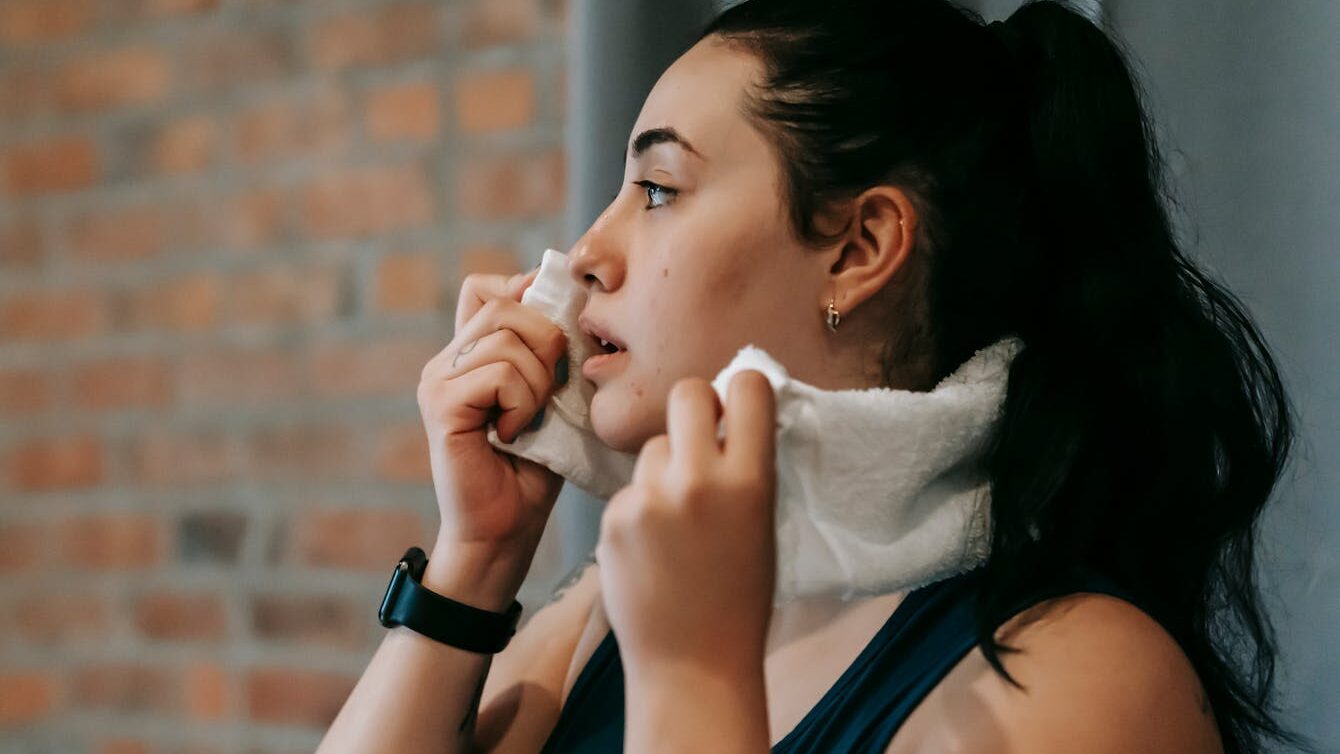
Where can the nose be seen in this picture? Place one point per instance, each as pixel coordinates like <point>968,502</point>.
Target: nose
<point>595,259</point>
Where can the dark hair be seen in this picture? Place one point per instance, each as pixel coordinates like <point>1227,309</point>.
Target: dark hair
<point>1145,423</point>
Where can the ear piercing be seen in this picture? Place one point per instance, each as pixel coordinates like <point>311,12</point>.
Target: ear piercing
<point>832,316</point>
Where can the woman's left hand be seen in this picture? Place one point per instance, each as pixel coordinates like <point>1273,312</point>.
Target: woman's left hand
<point>687,550</point>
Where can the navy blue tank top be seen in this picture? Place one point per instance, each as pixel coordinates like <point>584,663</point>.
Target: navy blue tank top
<point>927,634</point>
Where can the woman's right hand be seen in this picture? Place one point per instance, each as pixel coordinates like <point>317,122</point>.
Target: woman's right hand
<point>501,365</point>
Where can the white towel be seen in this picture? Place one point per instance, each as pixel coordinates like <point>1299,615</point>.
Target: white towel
<point>565,442</point>
<point>878,490</point>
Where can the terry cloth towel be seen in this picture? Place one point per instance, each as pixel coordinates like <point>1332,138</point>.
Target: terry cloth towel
<point>878,490</point>
<point>565,442</point>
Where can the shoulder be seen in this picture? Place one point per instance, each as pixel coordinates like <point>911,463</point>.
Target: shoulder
<point>1098,675</point>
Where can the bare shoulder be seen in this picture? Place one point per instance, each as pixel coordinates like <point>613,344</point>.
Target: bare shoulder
<point>1098,675</point>
<point>528,680</point>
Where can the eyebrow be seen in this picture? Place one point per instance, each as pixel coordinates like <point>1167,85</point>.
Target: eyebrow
<point>669,135</point>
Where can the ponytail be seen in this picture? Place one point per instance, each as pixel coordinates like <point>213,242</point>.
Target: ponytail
<point>1146,426</point>
<point>1145,423</point>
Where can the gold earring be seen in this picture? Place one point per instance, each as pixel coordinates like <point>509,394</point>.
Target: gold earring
<point>832,316</point>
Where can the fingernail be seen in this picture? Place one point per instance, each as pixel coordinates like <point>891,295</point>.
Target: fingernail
<point>561,371</point>
<point>535,423</point>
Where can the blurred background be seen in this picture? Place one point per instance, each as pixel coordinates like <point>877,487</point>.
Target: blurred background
<point>232,232</point>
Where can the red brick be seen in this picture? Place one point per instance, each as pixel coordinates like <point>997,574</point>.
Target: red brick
<point>404,112</point>
<point>173,457</point>
<point>246,220</point>
<point>495,100</point>
<point>155,9</point>
<point>376,36</point>
<point>512,186</point>
<point>408,283</point>
<point>294,696</point>
<point>21,246</point>
<point>31,22</point>
<point>117,234</point>
<point>303,451</point>
<point>19,543</point>
<point>309,125</point>
<point>112,79</point>
<point>490,260</point>
<point>64,618</point>
<point>368,200</point>
<point>189,303</point>
<point>181,616</point>
<point>243,376</point>
<point>287,294</point>
<point>26,696</point>
<point>184,146</point>
<point>53,315</point>
<point>382,366</point>
<point>58,463</point>
<point>112,541</point>
<point>125,687</point>
<point>52,166</point>
<point>122,382</point>
<point>243,56</point>
<point>487,23</point>
<point>207,691</point>
<point>24,392</point>
<point>309,619</point>
<point>25,90</point>
<point>361,539</point>
<point>403,454</point>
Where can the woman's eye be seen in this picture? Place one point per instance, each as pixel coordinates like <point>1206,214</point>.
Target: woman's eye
<point>651,187</point>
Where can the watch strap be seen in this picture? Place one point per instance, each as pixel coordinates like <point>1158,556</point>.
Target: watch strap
<point>410,604</point>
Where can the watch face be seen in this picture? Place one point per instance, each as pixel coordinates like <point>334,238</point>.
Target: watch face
<point>392,592</point>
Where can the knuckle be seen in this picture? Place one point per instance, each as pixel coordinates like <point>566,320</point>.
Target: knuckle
<point>557,341</point>
<point>686,387</point>
<point>689,487</point>
<point>491,309</point>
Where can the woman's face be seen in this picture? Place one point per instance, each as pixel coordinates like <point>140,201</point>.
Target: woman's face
<point>685,273</point>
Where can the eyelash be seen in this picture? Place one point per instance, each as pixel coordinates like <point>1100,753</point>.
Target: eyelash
<point>649,186</point>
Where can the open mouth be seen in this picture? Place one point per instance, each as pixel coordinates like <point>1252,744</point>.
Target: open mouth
<point>608,346</point>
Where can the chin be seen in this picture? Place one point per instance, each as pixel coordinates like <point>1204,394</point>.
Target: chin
<point>618,424</point>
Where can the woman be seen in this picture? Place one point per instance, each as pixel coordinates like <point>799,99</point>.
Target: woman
<point>935,184</point>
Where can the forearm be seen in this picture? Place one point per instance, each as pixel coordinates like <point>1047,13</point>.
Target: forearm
<point>687,709</point>
<point>417,695</point>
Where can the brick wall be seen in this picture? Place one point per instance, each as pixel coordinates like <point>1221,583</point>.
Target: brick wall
<point>231,234</point>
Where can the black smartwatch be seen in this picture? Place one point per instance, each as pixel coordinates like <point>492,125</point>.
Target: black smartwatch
<point>408,603</point>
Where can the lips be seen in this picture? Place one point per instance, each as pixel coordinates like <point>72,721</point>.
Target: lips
<point>601,334</point>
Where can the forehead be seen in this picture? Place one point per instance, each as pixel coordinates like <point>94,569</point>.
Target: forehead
<point>700,96</point>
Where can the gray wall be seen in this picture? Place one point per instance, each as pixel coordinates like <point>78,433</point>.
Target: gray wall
<point>1246,92</point>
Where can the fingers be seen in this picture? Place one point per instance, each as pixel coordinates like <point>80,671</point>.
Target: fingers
<point>751,419</point>
<point>502,345</point>
<point>651,461</point>
<point>480,390</point>
<point>691,422</point>
<point>478,288</point>
<point>544,339</point>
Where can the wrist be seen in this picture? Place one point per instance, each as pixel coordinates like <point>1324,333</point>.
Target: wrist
<point>729,704</point>
<point>483,576</point>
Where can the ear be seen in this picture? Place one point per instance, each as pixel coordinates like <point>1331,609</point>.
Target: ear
<point>882,224</point>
